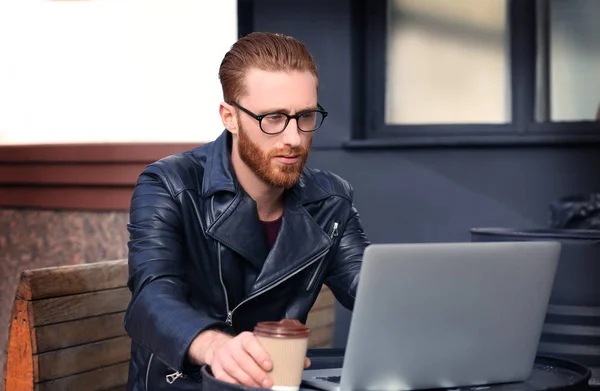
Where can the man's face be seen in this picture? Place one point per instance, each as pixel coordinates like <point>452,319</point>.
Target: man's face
<point>276,159</point>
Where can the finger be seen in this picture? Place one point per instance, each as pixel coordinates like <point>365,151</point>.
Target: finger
<point>307,362</point>
<point>256,351</point>
<point>251,368</point>
<point>221,375</point>
<point>233,369</point>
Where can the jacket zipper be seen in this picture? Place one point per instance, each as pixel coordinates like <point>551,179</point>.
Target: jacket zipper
<point>174,376</point>
<point>170,378</point>
<point>334,234</point>
<point>148,369</point>
<point>177,374</point>
<point>229,313</point>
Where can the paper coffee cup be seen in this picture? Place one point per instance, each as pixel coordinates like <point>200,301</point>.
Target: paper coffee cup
<point>286,342</point>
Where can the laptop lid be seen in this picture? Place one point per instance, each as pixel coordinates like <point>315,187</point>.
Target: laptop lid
<point>448,314</point>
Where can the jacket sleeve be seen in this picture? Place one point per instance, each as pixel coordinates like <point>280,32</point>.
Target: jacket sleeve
<point>159,316</point>
<point>344,271</point>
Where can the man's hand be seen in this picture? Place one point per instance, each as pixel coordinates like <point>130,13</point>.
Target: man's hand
<point>238,360</point>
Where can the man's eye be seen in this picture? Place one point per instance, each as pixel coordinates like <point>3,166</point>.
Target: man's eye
<point>275,117</point>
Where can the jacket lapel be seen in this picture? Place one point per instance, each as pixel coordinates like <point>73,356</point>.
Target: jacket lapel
<point>238,228</point>
<point>300,241</point>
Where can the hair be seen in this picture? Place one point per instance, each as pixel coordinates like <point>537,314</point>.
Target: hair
<point>265,51</point>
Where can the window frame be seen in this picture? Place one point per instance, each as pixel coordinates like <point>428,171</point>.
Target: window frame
<point>369,33</point>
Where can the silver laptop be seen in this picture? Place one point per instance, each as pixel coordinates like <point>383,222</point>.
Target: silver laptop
<point>445,315</point>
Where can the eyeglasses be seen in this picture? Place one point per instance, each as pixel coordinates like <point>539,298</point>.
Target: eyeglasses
<point>274,123</point>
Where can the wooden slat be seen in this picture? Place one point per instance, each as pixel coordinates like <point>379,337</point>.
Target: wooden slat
<point>107,378</point>
<point>21,365</point>
<point>324,346</point>
<point>325,299</point>
<point>92,152</point>
<point>117,174</point>
<point>66,308</point>
<point>72,279</point>
<point>118,388</point>
<point>98,198</point>
<point>321,317</point>
<point>65,362</point>
<point>78,332</point>
<point>322,336</point>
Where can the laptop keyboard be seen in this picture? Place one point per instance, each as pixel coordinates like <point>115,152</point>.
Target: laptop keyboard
<point>332,379</point>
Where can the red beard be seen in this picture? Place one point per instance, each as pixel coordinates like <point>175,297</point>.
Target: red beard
<point>263,165</point>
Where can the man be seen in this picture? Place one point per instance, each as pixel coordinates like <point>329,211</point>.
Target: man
<point>237,231</point>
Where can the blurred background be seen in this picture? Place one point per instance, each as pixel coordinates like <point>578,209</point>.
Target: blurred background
<point>444,115</point>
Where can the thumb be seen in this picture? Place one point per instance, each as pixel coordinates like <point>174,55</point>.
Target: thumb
<point>306,362</point>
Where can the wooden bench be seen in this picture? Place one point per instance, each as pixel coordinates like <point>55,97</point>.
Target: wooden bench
<point>66,329</point>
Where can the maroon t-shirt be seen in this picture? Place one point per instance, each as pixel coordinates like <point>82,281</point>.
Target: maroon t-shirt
<point>271,229</point>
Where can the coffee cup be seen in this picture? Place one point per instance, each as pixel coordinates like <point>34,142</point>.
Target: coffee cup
<point>286,342</point>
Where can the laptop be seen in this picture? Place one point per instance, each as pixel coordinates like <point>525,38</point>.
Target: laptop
<point>442,315</point>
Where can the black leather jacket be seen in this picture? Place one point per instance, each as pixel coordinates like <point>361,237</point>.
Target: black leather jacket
<point>198,258</point>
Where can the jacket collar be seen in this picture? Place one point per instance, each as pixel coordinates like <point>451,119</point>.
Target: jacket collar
<point>218,171</point>
<point>300,239</point>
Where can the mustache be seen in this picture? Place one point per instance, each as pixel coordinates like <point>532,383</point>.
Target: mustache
<point>300,151</point>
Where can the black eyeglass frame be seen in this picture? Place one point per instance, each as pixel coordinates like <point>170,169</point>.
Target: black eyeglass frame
<point>296,116</point>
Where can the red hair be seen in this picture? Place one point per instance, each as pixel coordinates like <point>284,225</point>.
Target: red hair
<point>265,51</point>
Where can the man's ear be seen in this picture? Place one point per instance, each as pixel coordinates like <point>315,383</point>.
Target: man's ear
<point>227,113</point>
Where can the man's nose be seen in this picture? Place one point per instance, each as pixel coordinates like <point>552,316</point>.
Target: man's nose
<point>291,134</point>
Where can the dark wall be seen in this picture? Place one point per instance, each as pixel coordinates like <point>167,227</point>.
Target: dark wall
<point>421,195</point>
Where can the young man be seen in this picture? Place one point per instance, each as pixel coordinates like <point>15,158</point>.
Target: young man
<point>238,231</point>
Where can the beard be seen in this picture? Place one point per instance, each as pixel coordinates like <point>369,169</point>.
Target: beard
<point>266,168</point>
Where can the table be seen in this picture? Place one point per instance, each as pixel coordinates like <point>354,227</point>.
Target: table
<point>548,373</point>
